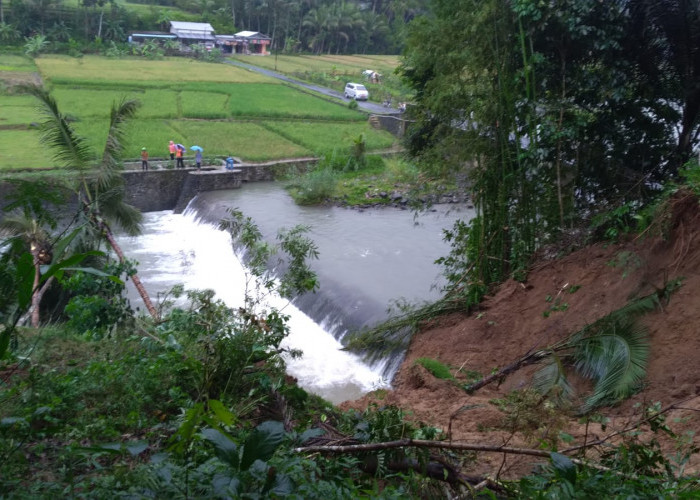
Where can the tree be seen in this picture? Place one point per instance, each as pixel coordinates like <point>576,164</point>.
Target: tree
<point>35,45</point>
<point>666,42</point>
<point>38,242</point>
<point>8,32</point>
<point>100,187</point>
<point>548,107</point>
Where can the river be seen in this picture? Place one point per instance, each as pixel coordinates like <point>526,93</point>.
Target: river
<point>368,259</point>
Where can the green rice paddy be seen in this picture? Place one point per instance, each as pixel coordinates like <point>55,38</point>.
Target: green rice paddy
<point>222,108</point>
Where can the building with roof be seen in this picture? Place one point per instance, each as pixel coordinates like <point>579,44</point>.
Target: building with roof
<point>187,33</point>
<point>193,33</point>
<point>245,42</point>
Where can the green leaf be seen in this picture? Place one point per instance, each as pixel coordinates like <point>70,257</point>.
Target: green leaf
<point>224,415</point>
<point>25,280</point>
<point>135,448</point>
<point>226,449</point>
<point>262,443</point>
<point>5,337</point>
<point>225,486</point>
<point>310,433</point>
<point>564,467</point>
<point>68,263</point>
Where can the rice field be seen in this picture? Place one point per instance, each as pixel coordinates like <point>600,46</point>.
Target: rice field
<point>341,65</point>
<point>64,69</point>
<point>222,108</point>
<point>320,138</point>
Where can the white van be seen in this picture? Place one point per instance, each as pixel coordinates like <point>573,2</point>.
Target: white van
<point>356,91</point>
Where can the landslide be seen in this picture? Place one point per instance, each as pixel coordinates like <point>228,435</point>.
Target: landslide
<point>520,316</point>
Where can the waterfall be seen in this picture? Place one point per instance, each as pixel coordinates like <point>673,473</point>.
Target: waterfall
<point>367,259</point>
<point>180,249</point>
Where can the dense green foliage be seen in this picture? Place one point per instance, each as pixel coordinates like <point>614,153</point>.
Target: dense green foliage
<point>557,110</point>
<point>328,26</point>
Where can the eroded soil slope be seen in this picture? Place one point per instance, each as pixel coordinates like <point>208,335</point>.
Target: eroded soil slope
<point>524,316</point>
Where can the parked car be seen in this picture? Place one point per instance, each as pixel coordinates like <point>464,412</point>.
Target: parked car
<point>356,91</point>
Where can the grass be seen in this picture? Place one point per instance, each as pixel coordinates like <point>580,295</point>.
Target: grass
<point>65,69</point>
<point>224,109</point>
<point>334,71</point>
<point>345,65</point>
<point>18,110</point>
<point>322,138</point>
<point>284,101</point>
<point>246,140</point>
<point>204,105</point>
<point>22,149</point>
<point>15,62</point>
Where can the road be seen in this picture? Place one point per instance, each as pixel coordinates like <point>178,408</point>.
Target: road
<point>369,107</point>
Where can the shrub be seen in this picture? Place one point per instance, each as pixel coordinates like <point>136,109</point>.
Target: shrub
<point>315,187</point>
<point>438,369</point>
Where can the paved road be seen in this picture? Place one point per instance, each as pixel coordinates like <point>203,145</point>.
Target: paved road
<point>367,106</point>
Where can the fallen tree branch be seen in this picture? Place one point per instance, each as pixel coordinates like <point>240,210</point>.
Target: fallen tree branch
<point>636,425</point>
<point>420,443</point>
<point>528,359</point>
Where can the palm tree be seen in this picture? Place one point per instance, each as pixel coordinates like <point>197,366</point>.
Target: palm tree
<point>100,187</point>
<point>39,243</point>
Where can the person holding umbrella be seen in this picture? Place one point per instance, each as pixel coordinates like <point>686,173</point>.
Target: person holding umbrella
<point>180,150</point>
<point>197,156</point>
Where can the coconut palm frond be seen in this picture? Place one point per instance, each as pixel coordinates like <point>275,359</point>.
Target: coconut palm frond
<point>69,149</point>
<point>551,381</point>
<point>615,359</point>
<point>113,208</point>
<point>17,225</point>
<point>635,308</point>
<point>109,171</point>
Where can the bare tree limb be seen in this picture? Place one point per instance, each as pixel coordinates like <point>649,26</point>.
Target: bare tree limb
<point>420,443</point>
<point>636,425</point>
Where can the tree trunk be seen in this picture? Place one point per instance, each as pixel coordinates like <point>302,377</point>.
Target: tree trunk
<point>691,110</point>
<point>134,277</point>
<point>36,298</point>
<point>99,27</point>
<point>36,301</point>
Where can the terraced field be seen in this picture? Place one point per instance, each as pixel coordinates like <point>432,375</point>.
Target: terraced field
<point>222,108</point>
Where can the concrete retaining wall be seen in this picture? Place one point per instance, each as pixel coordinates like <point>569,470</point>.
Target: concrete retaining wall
<point>173,189</point>
<point>392,124</point>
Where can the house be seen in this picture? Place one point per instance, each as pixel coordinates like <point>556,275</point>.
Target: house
<point>245,42</point>
<point>193,33</point>
<point>144,36</point>
<point>187,33</point>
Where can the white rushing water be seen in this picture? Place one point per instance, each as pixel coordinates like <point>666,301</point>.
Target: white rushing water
<point>177,249</point>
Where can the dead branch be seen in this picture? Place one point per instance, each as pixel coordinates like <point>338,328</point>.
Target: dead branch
<point>528,359</point>
<point>636,425</point>
<point>420,443</point>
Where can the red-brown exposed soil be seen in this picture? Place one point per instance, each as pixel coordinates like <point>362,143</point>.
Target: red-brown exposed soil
<point>512,321</point>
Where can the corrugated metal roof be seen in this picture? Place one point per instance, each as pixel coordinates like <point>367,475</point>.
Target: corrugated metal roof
<point>182,25</point>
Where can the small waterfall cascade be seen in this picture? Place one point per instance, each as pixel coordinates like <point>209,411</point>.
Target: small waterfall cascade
<point>180,249</point>
<point>367,260</point>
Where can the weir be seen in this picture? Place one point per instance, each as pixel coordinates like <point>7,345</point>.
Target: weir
<point>172,189</point>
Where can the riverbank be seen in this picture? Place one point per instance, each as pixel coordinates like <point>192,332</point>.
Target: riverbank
<point>559,298</point>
